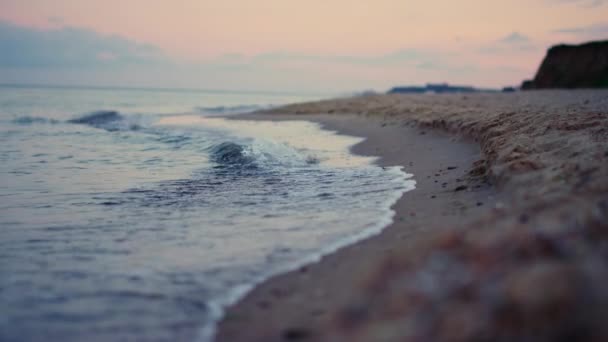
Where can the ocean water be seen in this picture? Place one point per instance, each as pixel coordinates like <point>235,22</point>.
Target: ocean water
<point>140,214</point>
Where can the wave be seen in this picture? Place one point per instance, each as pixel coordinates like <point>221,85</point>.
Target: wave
<point>106,119</point>
<point>258,153</point>
<point>232,155</point>
<point>98,119</point>
<point>29,120</point>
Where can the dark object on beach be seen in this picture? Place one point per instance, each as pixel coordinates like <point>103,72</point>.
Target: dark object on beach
<point>296,334</point>
<point>461,188</point>
<point>573,66</point>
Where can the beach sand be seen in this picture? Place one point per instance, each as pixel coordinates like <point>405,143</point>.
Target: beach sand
<point>504,238</point>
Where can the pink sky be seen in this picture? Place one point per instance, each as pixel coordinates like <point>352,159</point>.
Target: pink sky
<point>472,32</point>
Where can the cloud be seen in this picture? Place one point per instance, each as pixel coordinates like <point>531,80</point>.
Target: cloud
<point>594,31</point>
<point>514,42</point>
<point>70,47</point>
<point>396,58</point>
<point>78,47</point>
<point>78,56</point>
<point>580,3</point>
<point>55,20</point>
<point>514,38</point>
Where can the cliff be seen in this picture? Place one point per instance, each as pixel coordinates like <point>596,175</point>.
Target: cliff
<point>573,66</point>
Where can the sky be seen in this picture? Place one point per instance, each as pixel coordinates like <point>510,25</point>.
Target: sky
<point>287,45</point>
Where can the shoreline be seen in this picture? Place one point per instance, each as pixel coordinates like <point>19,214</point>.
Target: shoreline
<point>219,307</point>
<point>431,193</point>
<point>527,264</point>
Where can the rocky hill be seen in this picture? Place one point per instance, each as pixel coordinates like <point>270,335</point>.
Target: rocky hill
<point>573,66</point>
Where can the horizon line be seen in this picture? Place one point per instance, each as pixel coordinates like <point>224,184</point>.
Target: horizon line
<point>149,88</point>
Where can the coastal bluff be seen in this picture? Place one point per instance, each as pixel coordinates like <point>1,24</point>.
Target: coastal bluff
<point>573,66</point>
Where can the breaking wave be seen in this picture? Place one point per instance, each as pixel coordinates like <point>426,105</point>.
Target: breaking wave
<point>98,118</point>
<point>109,120</point>
<point>231,154</point>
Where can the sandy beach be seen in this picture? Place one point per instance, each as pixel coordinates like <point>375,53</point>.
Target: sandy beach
<point>312,171</point>
<point>504,237</point>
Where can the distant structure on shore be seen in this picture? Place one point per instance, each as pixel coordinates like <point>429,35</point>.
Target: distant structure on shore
<point>573,66</point>
<point>440,88</point>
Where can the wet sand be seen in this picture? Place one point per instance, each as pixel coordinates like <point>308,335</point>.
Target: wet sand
<point>504,237</point>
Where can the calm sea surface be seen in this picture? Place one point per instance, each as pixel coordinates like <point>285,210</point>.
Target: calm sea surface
<point>139,214</point>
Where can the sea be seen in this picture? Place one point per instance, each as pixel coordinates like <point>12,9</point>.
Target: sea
<point>141,214</point>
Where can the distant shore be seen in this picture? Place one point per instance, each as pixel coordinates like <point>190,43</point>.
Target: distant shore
<point>505,236</point>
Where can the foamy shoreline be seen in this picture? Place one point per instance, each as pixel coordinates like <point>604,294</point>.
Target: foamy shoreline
<point>333,147</point>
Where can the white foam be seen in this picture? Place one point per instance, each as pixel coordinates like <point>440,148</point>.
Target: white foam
<point>308,138</point>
